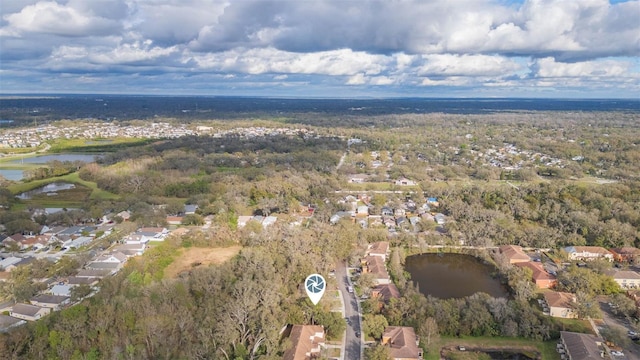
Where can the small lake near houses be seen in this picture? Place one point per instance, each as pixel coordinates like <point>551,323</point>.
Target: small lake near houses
<point>49,189</point>
<point>448,276</point>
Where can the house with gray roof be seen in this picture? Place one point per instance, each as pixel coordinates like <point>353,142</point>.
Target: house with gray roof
<point>54,302</point>
<point>578,346</point>
<point>7,323</point>
<point>28,312</point>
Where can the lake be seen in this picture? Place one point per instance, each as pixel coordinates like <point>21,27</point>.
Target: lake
<point>453,275</point>
<point>43,159</point>
<point>49,189</point>
<point>11,174</point>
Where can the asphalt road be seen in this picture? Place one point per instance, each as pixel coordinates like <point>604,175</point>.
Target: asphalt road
<point>353,344</point>
<point>631,350</point>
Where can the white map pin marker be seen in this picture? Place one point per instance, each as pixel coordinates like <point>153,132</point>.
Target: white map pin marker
<point>315,286</point>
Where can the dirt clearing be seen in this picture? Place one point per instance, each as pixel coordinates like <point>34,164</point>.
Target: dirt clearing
<point>196,257</point>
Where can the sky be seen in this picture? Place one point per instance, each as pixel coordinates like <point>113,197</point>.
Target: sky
<point>322,48</point>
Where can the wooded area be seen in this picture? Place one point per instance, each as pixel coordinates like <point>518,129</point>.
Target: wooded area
<point>235,310</point>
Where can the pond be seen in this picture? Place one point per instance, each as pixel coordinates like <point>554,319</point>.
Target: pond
<point>49,189</point>
<point>43,159</point>
<point>448,276</point>
<point>11,174</point>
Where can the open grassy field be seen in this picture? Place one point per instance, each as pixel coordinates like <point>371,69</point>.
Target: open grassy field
<point>189,257</point>
<point>546,349</point>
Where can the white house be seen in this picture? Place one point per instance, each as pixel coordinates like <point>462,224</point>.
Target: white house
<point>588,253</point>
<point>28,312</point>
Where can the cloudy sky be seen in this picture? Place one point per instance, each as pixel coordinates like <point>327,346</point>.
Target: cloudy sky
<point>324,48</point>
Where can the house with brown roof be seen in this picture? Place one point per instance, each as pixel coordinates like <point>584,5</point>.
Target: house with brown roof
<point>402,342</point>
<point>385,292</point>
<point>587,253</point>
<point>514,254</point>
<point>75,281</point>
<point>307,341</point>
<point>627,279</point>
<point>625,254</point>
<point>578,346</point>
<point>28,312</point>
<point>380,248</point>
<point>561,304</point>
<point>539,275</point>
<point>375,265</point>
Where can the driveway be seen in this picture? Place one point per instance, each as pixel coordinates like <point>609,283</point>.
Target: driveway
<point>353,344</point>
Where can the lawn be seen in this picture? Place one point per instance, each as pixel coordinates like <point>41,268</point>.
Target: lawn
<point>193,257</point>
<point>546,349</point>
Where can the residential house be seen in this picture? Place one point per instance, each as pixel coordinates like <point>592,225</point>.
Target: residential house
<point>268,221</point>
<point>380,248</point>
<point>385,292</point>
<point>358,178</point>
<point>386,211</point>
<point>403,181</point>
<point>587,253</point>
<point>514,254</point>
<point>627,279</point>
<point>112,267</point>
<point>432,201</point>
<point>190,209</point>
<point>131,249</point>
<point>53,302</point>
<point>625,254</point>
<point>75,281</point>
<point>61,290</point>
<point>560,304</point>
<point>243,220</point>
<point>114,257</point>
<point>78,242</point>
<point>362,210</point>
<point>7,323</point>
<point>578,346</point>
<point>307,341</point>
<point>28,312</point>
<point>440,219</point>
<point>174,220</point>
<point>402,342</point>
<point>9,263</point>
<point>389,221</point>
<point>136,239</point>
<point>91,273</point>
<point>124,215</point>
<point>73,231</point>
<point>375,266</point>
<point>153,233</point>
<point>539,275</point>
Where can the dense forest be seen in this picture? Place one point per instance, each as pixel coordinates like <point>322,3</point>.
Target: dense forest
<point>562,179</point>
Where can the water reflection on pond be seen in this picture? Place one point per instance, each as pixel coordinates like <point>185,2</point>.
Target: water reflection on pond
<point>453,275</point>
<point>43,159</point>
<point>11,174</point>
<point>49,189</point>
